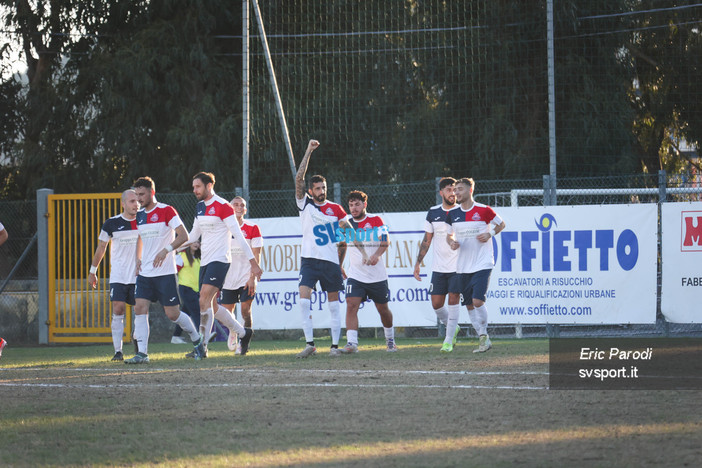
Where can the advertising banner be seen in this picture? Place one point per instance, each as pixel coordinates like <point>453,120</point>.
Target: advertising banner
<point>681,262</point>
<point>580,264</point>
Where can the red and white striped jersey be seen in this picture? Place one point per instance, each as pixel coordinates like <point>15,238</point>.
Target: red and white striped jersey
<point>319,224</point>
<point>240,269</point>
<point>157,230</point>
<point>369,231</point>
<point>473,255</point>
<point>215,223</point>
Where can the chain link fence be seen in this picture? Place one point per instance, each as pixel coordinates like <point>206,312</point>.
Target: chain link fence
<point>18,256</point>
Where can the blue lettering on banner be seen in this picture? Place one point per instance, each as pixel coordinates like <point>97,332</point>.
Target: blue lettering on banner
<point>326,233</point>
<point>556,247</point>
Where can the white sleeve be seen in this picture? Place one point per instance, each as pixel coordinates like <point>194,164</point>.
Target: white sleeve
<point>428,227</point>
<point>105,237</point>
<point>234,228</point>
<point>195,232</point>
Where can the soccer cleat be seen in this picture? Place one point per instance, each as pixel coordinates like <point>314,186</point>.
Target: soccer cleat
<point>334,352</point>
<point>200,350</point>
<point>232,342</point>
<point>238,350</point>
<point>245,341</point>
<point>139,358</point>
<point>455,335</point>
<point>392,347</point>
<point>3,343</point>
<point>484,344</point>
<point>350,348</point>
<point>307,352</point>
<point>178,340</point>
<point>118,356</point>
<point>446,348</point>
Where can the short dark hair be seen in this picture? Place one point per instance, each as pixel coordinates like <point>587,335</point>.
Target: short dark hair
<point>316,178</point>
<point>446,181</point>
<point>357,195</point>
<point>205,177</point>
<point>467,181</point>
<point>146,182</point>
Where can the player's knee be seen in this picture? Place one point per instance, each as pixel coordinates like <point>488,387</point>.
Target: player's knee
<point>478,302</point>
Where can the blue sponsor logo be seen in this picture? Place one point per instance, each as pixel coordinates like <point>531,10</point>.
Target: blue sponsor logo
<point>332,233</point>
<point>562,250</point>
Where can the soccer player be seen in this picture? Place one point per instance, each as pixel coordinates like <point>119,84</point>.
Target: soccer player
<point>238,285</point>
<point>444,262</point>
<point>367,277</point>
<point>321,257</point>
<point>161,231</point>
<point>215,222</point>
<point>3,235</point>
<point>471,228</point>
<point>121,231</point>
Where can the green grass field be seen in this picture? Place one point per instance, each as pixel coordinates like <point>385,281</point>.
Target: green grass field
<point>70,406</point>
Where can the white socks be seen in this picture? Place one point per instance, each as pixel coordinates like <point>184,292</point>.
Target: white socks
<point>482,314</point>
<point>227,319</point>
<point>335,322</point>
<point>186,323</point>
<point>442,314</point>
<point>352,336</point>
<point>117,331</point>
<point>389,333</point>
<point>141,332</point>
<point>206,323</point>
<point>452,322</point>
<point>306,315</point>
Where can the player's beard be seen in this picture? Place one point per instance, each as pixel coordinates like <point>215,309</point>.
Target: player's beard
<point>320,199</point>
<point>449,200</point>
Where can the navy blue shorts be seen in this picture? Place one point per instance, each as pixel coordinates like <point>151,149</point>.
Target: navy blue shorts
<point>377,292</point>
<point>163,289</point>
<point>327,273</point>
<point>232,296</point>
<point>120,292</point>
<point>439,285</point>
<point>471,285</point>
<point>214,273</point>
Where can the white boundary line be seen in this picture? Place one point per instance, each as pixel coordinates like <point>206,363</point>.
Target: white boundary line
<point>274,385</point>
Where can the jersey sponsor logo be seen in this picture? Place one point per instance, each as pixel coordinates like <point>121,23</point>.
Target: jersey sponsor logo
<point>691,224</point>
<point>438,218</point>
<point>564,250</point>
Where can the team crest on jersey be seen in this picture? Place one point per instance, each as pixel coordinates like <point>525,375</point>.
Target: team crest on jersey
<point>476,217</point>
<point>154,218</point>
<point>367,226</point>
<point>329,211</point>
<point>212,211</point>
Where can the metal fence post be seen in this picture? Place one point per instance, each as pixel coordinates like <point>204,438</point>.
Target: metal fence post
<point>662,198</point>
<point>552,331</point>
<point>337,193</point>
<point>43,263</point>
<point>438,195</point>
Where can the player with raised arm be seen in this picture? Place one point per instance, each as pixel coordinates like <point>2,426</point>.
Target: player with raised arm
<point>367,277</point>
<point>122,234</point>
<point>161,231</point>
<point>321,256</point>
<point>471,228</point>
<point>444,261</point>
<point>216,224</point>
<point>237,285</point>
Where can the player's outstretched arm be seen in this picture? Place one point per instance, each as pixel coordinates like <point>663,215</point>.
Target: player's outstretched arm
<point>95,262</point>
<point>423,249</point>
<point>302,170</point>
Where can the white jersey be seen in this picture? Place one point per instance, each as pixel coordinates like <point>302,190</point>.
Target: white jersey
<point>370,231</point>
<point>123,233</point>
<point>240,269</point>
<point>157,230</point>
<point>319,224</point>
<point>444,260</point>
<point>2,228</point>
<point>216,223</point>
<point>473,255</point>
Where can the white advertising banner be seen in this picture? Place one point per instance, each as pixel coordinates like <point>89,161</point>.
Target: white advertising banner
<point>681,275</point>
<point>581,264</point>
